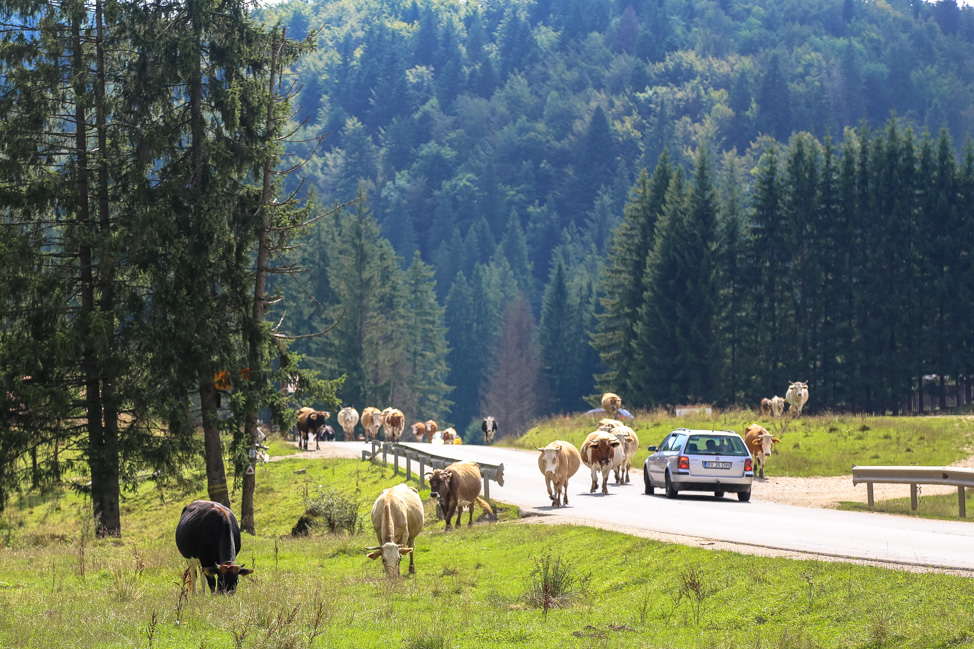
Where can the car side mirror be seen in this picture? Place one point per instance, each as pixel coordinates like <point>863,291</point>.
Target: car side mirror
<point>651,448</point>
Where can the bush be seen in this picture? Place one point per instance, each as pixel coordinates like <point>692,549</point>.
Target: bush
<point>553,583</point>
<point>335,511</point>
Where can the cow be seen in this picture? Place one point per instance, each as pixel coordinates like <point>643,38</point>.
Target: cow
<point>458,485</point>
<point>310,424</point>
<point>797,397</point>
<point>558,462</point>
<point>765,407</point>
<point>371,420</point>
<point>611,403</point>
<point>489,426</point>
<point>347,419</point>
<point>208,536</point>
<point>419,431</point>
<point>431,429</point>
<point>777,406</point>
<point>630,444</point>
<point>327,434</point>
<point>601,452</point>
<point>449,435</point>
<point>759,443</point>
<point>397,516</point>
<point>393,423</point>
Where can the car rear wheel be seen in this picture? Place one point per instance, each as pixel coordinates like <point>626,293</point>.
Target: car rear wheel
<point>646,480</point>
<point>670,490</point>
<point>744,496</point>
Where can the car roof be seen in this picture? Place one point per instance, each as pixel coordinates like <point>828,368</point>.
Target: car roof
<point>697,431</point>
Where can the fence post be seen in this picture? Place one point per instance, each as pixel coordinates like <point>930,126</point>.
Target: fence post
<point>961,502</point>
<point>913,497</point>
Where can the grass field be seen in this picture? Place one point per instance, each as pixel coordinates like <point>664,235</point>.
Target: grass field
<point>485,586</point>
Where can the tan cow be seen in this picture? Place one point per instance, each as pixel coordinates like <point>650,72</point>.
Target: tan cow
<point>397,517</point>
<point>765,407</point>
<point>601,452</point>
<point>611,403</point>
<point>630,444</point>
<point>348,419</point>
<point>431,429</point>
<point>558,462</point>
<point>759,442</point>
<point>797,397</point>
<point>777,406</point>
<point>458,485</point>
<point>393,423</point>
<point>371,420</point>
<point>419,431</point>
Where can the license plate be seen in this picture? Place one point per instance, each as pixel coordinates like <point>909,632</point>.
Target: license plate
<point>716,465</point>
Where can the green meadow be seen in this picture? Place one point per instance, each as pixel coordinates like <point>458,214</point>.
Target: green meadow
<point>495,584</point>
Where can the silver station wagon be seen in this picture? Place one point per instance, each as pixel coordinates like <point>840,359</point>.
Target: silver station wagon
<point>700,460</point>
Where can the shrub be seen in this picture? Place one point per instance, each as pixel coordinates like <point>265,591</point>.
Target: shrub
<point>334,510</point>
<point>553,583</point>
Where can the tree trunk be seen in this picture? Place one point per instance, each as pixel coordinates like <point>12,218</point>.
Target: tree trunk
<point>216,475</point>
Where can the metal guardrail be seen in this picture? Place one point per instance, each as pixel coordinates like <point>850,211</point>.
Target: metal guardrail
<point>489,472</point>
<point>913,476</point>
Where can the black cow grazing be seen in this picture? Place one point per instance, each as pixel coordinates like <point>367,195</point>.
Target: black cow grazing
<point>209,537</point>
<point>489,426</point>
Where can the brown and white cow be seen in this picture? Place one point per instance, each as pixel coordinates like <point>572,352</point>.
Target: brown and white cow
<point>397,517</point>
<point>371,420</point>
<point>419,431</point>
<point>797,397</point>
<point>311,423</point>
<point>558,462</point>
<point>765,407</point>
<point>759,442</point>
<point>458,486</point>
<point>393,423</point>
<point>348,419</point>
<point>611,403</point>
<point>449,435</point>
<point>601,452</point>
<point>208,536</point>
<point>489,428</point>
<point>431,429</point>
<point>777,406</point>
<point>630,444</point>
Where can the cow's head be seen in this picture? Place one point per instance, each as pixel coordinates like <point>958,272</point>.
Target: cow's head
<point>767,442</point>
<point>226,574</point>
<point>602,448</point>
<point>418,429</point>
<point>391,554</point>
<point>549,457</point>
<point>440,480</point>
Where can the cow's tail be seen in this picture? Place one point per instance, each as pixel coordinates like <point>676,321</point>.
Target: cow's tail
<point>483,503</point>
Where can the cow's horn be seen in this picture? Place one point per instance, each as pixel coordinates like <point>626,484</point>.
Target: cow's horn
<point>372,549</point>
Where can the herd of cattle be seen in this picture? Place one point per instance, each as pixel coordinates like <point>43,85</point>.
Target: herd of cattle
<point>312,425</point>
<point>208,535</point>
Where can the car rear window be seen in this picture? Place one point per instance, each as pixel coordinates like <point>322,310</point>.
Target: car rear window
<point>715,445</point>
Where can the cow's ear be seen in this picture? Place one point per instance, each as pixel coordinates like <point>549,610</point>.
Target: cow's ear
<point>775,440</point>
<point>211,572</point>
<point>374,555</point>
<point>615,443</point>
<point>405,551</point>
<point>245,571</point>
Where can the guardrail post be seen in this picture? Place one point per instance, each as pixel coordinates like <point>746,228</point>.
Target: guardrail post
<point>385,453</point>
<point>869,494</point>
<point>961,502</point>
<point>422,471</point>
<point>913,496</point>
<point>486,487</point>
<point>395,458</point>
<point>409,474</point>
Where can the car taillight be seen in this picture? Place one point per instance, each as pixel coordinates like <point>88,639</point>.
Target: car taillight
<point>684,463</point>
<point>748,467</point>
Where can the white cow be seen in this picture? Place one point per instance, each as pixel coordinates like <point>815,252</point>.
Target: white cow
<point>371,420</point>
<point>777,406</point>
<point>397,517</point>
<point>797,397</point>
<point>347,419</point>
<point>558,462</point>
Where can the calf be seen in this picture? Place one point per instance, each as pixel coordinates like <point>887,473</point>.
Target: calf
<point>209,538</point>
<point>601,452</point>
<point>489,426</point>
<point>558,462</point>
<point>759,442</point>
<point>765,407</point>
<point>397,516</point>
<point>777,406</point>
<point>458,485</point>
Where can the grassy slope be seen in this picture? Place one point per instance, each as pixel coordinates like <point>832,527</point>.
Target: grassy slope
<point>59,588</point>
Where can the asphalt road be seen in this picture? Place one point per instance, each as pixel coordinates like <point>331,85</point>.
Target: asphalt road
<point>756,525</point>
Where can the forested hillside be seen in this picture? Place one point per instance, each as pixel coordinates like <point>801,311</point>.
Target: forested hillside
<point>792,231</point>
